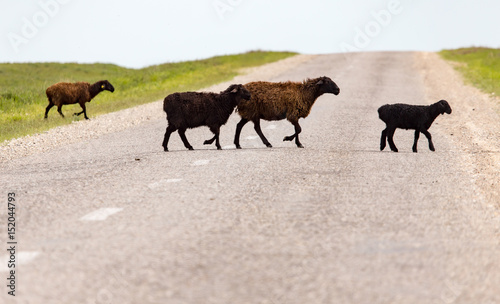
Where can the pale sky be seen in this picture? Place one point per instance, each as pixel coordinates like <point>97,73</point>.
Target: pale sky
<point>141,33</point>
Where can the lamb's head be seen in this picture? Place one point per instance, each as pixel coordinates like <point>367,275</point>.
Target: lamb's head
<point>443,107</point>
<point>239,91</point>
<point>326,85</point>
<point>105,85</point>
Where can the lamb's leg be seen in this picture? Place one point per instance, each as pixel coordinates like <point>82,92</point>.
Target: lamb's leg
<point>390,134</point>
<point>429,137</point>
<point>239,126</point>
<point>59,110</point>
<point>417,134</point>
<point>256,126</point>
<point>383,139</point>
<point>298,129</point>
<point>48,109</point>
<point>169,131</point>
<point>182,134</point>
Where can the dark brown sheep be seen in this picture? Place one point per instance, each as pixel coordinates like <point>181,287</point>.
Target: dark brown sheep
<point>64,93</point>
<point>195,109</point>
<point>276,101</point>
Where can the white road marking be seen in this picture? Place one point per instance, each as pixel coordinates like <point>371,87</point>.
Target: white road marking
<point>271,127</point>
<point>201,162</point>
<point>251,137</point>
<point>22,258</point>
<point>164,181</point>
<point>100,214</point>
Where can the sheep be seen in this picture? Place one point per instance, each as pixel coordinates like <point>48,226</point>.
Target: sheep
<point>64,93</point>
<point>404,116</point>
<point>276,101</point>
<point>195,109</point>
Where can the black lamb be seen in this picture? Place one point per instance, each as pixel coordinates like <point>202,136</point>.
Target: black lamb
<point>195,109</point>
<point>404,116</point>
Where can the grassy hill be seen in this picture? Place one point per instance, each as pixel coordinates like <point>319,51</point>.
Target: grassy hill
<point>480,66</point>
<point>23,85</point>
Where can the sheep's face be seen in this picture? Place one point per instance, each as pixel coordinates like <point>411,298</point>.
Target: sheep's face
<point>105,85</point>
<point>327,85</point>
<point>444,107</point>
<point>240,90</point>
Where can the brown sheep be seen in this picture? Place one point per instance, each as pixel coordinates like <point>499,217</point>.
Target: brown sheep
<point>276,101</point>
<point>64,93</point>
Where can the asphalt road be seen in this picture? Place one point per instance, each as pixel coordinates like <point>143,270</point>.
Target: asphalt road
<point>336,222</point>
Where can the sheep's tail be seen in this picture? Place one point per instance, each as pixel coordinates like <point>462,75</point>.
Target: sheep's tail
<point>383,112</point>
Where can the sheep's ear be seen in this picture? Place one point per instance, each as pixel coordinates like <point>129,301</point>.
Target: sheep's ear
<point>320,82</point>
<point>235,90</point>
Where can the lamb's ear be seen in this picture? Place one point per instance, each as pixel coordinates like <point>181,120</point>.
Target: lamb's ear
<point>234,90</point>
<point>320,82</point>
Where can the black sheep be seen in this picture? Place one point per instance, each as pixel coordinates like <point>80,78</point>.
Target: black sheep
<point>404,116</point>
<point>195,109</point>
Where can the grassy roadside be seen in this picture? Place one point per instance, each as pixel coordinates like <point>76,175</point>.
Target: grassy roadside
<point>22,87</point>
<point>480,67</point>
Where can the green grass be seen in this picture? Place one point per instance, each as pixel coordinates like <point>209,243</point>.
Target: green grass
<point>23,85</point>
<point>480,67</point>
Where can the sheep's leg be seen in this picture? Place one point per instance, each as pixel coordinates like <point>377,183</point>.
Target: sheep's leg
<point>48,109</point>
<point>209,141</point>
<point>417,134</point>
<point>182,134</point>
<point>390,134</point>
<point>216,131</point>
<point>298,129</point>
<point>256,126</point>
<point>84,111</point>
<point>170,130</point>
<point>239,126</point>
<point>429,137</point>
<point>383,139</point>
<point>59,110</point>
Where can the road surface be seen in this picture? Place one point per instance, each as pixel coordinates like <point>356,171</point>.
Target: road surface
<point>116,220</point>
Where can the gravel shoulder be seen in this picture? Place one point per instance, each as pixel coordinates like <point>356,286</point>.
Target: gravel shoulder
<point>474,125</point>
<point>121,120</point>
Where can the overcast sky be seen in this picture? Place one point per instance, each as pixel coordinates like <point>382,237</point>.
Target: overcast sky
<point>141,33</point>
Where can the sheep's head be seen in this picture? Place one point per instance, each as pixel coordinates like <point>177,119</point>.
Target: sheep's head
<point>238,90</point>
<point>326,85</point>
<point>105,85</point>
<point>444,107</point>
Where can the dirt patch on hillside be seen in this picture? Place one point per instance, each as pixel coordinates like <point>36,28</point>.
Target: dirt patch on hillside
<point>474,125</point>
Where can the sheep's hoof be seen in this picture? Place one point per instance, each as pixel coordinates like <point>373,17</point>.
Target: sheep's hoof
<point>300,146</point>
<point>269,145</point>
<point>190,148</point>
<point>165,149</point>
<point>219,148</point>
<point>238,147</point>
